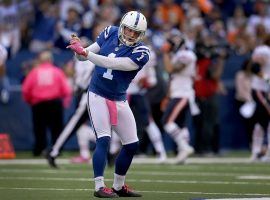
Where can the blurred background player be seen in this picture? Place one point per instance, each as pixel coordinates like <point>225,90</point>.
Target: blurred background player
<point>4,83</point>
<point>118,54</point>
<point>245,103</point>
<point>146,78</point>
<point>140,106</point>
<point>44,88</point>
<point>260,93</point>
<point>180,63</point>
<point>78,121</point>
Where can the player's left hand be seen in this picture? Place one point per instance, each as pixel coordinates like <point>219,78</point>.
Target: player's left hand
<point>166,47</point>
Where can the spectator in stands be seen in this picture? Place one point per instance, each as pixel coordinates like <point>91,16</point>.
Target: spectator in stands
<point>10,35</point>
<point>44,88</point>
<point>169,14</point>
<point>44,27</point>
<point>88,18</point>
<point>72,25</point>
<point>109,12</point>
<point>259,17</point>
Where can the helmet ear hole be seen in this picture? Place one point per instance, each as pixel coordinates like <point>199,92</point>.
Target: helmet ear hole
<point>135,21</point>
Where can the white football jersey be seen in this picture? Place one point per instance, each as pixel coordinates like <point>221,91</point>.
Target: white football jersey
<point>258,83</point>
<point>3,55</point>
<point>181,84</point>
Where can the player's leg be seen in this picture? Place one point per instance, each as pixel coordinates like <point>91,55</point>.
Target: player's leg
<point>174,124</point>
<point>266,158</point>
<point>71,126</point>
<point>156,139</point>
<point>257,142</point>
<point>55,121</point>
<point>115,147</point>
<point>126,130</point>
<point>100,119</point>
<point>264,122</point>
<point>137,104</point>
<point>39,129</point>
<point>84,134</point>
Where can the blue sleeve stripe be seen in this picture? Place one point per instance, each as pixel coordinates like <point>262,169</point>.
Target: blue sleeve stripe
<point>141,49</point>
<point>107,31</point>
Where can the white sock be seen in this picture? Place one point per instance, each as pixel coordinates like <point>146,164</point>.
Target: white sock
<point>155,137</point>
<point>99,182</point>
<point>178,135</point>
<point>118,181</point>
<point>257,139</point>
<point>83,140</point>
<point>268,137</point>
<point>115,144</point>
<point>54,153</point>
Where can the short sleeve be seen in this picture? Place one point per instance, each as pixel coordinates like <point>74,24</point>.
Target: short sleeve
<point>185,57</point>
<point>104,35</point>
<point>140,55</point>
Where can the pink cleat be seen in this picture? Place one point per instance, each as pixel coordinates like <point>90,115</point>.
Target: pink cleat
<point>79,160</point>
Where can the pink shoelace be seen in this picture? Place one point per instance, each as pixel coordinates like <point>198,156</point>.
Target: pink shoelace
<point>107,190</point>
<point>127,188</point>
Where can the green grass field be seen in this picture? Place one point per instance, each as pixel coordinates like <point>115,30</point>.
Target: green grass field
<point>200,178</point>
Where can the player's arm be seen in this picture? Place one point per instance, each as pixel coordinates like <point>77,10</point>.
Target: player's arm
<point>90,53</point>
<point>92,48</point>
<point>119,63</point>
<point>139,56</point>
<point>171,67</point>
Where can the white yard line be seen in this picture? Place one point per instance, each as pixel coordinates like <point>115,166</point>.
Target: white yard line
<point>141,172</point>
<point>142,191</point>
<point>137,161</point>
<point>255,177</point>
<point>162,181</point>
<point>262,198</point>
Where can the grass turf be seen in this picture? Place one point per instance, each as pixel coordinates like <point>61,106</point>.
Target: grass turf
<point>190,181</point>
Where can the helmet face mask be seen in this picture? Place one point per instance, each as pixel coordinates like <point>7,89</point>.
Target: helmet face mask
<point>132,28</point>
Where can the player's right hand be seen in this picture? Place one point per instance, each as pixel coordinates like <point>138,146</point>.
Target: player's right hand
<point>74,38</point>
<point>76,46</point>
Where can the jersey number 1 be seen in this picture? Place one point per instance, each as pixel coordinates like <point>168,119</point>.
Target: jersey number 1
<point>108,73</point>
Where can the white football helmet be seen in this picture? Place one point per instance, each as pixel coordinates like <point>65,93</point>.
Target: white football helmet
<point>135,21</point>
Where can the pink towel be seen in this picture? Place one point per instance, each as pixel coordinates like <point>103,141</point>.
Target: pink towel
<point>113,112</point>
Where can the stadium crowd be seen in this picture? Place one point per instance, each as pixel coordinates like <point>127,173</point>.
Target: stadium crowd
<point>213,29</point>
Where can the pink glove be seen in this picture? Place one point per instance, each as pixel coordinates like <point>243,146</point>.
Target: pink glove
<point>76,46</point>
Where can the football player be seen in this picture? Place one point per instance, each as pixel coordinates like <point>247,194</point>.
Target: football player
<point>4,83</point>
<point>118,54</point>
<point>260,92</point>
<point>180,63</point>
<point>76,123</point>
